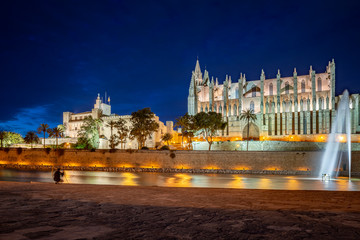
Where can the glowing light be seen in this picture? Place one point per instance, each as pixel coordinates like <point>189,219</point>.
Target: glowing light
<point>182,167</point>
<point>124,165</point>
<point>302,169</point>
<point>129,179</point>
<point>242,168</point>
<point>341,138</point>
<point>211,167</point>
<point>272,168</point>
<point>150,166</point>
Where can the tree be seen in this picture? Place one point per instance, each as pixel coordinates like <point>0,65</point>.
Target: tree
<point>188,127</point>
<point>249,116</point>
<point>208,124</point>
<point>167,137</point>
<point>2,137</point>
<point>83,143</point>
<point>90,130</point>
<point>143,125</point>
<point>113,139</point>
<point>56,132</point>
<point>31,138</point>
<point>9,138</point>
<point>43,128</point>
<point>122,132</point>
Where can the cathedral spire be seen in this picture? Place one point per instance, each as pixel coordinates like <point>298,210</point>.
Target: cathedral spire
<point>198,74</point>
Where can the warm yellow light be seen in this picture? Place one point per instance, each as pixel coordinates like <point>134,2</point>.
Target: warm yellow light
<point>272,168</point>
<point>74,164</point>
<point>150,166</point>
<point>211,167</point>
<point>242,168</point>
<point>124,165</point>
<point>341,138</point>
<point>182,167</point>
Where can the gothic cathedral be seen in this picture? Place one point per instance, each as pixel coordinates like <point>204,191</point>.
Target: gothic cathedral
<point>298,108</point>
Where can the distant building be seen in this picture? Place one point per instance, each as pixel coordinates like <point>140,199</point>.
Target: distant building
<point>298,107</point>
<point>74,121</point>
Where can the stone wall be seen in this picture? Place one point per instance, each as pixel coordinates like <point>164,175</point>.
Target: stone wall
<point>266,146</point>
<point>234,160</point>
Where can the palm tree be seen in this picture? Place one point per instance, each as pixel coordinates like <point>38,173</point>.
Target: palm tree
<point>56,132</point>
<point>249,116</point>
<point>112,124</point>
<point>43,128</point>
<point>123,132</point>
<point>167,137</point>
<point>31,138</point>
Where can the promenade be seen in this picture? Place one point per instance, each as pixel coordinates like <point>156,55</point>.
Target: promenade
<point>69,211</point>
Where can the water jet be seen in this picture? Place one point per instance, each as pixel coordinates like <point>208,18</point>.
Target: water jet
<point>338,145</point>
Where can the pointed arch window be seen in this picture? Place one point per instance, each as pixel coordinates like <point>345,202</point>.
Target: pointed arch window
<point>252,106</point>
<point>271,89</point>
<point>287,88</point>
<point>202,109</point>
<point>220,109</point>
<point>206,109</point>
<point>229,110</point>
<point>235,110</point>
<point>253,91</point>
<point>321,103</point>
<point>303,86</point>
<point>319,85</point>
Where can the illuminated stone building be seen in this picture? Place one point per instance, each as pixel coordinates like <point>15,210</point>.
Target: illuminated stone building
<point>74,121</point>
<point>299,108</point>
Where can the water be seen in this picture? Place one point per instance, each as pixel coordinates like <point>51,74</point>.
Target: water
<point>186,180</point>
<point>339,141</point>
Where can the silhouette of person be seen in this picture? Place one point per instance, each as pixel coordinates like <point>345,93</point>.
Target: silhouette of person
<point>57,176</point>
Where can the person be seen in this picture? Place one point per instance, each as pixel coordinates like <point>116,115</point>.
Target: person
<point>57,176</point>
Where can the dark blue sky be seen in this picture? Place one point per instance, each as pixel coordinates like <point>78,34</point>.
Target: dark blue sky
<point>55,56</point>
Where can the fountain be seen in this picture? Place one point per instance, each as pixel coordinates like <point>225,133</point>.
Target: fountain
<point>339,137</point>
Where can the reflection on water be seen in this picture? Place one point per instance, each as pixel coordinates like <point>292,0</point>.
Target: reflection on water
<point>185,180</point>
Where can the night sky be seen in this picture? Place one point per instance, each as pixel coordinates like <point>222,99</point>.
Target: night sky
<point>56,56</point>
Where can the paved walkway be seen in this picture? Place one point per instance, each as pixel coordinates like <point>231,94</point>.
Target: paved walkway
<point>49,211</point>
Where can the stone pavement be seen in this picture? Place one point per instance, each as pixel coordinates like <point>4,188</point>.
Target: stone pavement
<point>49,211</point>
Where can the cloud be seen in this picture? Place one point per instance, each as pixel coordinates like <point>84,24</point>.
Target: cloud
<point>28,119</point>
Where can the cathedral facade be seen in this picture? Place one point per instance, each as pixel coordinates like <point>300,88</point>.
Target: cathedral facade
<point>298,108</point>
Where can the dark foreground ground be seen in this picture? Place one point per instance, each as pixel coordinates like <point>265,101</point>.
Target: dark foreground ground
<point>49,211</point>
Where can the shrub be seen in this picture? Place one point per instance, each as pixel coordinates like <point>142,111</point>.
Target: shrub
<point>164,148</point>
<point>93,150</point>
<point>47,150</point>
<point>6,150</point>
<point>172,155</point>
<point>144,148</point>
